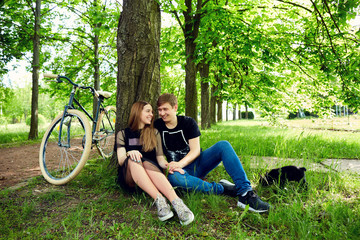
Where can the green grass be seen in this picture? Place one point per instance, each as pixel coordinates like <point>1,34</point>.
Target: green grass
<point>93,207</point>
<point>251,138</point>
<point>17,134</point>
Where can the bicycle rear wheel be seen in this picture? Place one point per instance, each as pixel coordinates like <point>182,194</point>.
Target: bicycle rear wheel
<point>105,132</point>
<point>61,160</point>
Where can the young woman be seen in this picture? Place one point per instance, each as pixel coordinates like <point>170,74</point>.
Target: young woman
<point>140,157</point>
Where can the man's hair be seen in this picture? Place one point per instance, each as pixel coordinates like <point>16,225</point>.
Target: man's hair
<point>167,98</point>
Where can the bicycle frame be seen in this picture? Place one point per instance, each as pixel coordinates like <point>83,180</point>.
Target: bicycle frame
<point>70,105</point>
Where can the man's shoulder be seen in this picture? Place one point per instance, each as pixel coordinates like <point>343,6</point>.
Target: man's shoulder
<point>158,123</point>
<point>186,119</point>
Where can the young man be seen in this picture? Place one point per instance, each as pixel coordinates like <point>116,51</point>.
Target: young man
<point>180,137</point>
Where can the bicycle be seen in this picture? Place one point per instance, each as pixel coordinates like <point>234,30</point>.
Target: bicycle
<point>68,140</point>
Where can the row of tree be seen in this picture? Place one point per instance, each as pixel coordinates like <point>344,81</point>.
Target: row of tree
<point>273,55</point>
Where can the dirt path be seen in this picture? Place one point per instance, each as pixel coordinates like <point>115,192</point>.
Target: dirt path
<point>18,164</point>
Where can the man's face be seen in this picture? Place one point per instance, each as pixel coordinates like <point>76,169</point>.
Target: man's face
<point>167,112</point>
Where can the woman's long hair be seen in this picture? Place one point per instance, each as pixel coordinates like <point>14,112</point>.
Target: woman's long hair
<point>147,136</point>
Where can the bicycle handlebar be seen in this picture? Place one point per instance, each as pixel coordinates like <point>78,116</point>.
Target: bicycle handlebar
<point>51,75</point>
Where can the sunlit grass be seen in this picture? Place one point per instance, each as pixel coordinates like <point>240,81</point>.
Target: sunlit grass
<point>254,138</point>
<point>92,206</point>
<point>18,133</point>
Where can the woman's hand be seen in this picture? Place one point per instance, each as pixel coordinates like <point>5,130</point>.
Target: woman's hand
<point>134,155</point>
<point>175,167</point>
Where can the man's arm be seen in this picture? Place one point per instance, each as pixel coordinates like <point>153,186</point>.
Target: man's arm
<point>194,152</point>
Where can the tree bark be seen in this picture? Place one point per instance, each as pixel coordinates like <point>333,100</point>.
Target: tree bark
<point>191,32</point>
<point>246,111</point>
<point>205,95</point>
<point>227,111</point>
<point>213,106</point>
<point>234,112</point>
<point>96,71</point>
<point>96,61</point>
<point>33,134</point>
<point>138,50</point>
<point>219,112</point>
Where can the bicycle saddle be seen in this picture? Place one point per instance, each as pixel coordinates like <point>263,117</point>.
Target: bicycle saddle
<point>104,94</point>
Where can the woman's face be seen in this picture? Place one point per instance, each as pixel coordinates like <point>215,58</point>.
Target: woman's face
<point>146,115</point>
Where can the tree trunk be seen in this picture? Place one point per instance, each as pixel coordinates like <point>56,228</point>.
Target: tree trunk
<point>138,38</point>
<point>205,97</point>
<point>246,111</point>
<point>33,134</point>
<point>96,67</point>
<point>213,106</point>
<point>219,112</point>
<point>234,112</point>
<point>190,78</point>
<point>191,32</point>
<point>227,111</point>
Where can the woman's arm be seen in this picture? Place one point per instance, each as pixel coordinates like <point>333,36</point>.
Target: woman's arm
<point>121,150</point>
<point>121,155</point>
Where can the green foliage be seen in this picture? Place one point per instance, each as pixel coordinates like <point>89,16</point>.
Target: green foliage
<point>90,51</point>
<point>276,58</point>
<point>41,119</point>
<point>172,64</point>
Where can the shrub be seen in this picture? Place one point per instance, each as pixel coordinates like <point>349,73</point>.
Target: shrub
<point>250,115</point>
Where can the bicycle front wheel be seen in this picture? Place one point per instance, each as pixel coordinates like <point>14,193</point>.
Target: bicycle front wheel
<point>105,132</point>
<point>61,159</point>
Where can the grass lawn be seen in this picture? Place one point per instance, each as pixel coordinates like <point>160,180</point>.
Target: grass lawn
<point>93,207</point>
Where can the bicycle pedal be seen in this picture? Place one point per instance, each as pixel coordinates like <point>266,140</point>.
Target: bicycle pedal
<point>99,135</point>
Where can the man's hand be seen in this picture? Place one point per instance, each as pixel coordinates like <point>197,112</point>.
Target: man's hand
<point>175,166</point>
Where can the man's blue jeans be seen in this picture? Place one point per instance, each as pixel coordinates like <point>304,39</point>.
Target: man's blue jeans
<point>209,159</point>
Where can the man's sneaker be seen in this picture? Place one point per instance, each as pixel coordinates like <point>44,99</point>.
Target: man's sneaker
<point>163,209</point>
<point>254,202</point>
<point>229,188</point>
<point>183,212</point>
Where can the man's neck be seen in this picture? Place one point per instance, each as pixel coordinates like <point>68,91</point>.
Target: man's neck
<point>172,123</point>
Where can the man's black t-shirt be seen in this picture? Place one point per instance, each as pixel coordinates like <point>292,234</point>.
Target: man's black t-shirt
<point>176,141</point>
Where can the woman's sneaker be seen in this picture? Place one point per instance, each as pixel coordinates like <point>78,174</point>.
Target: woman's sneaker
<point>183,212</point>
<point>254,202</point>
<point>163,209</point>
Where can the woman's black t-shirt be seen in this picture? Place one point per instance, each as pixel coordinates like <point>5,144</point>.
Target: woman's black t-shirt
<point>130,140</point>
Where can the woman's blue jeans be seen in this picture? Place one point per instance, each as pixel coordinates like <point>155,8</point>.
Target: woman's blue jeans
<point>209,159</point>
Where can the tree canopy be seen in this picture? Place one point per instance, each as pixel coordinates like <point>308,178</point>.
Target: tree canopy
<point>273,55</point>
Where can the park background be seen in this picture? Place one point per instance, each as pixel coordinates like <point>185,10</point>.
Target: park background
<point>279,58</point>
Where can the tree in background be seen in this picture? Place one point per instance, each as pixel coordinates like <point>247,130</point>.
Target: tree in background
<point>275,55</point>
<point>188,14</point>
<point>172,69</point>
<point>33,134</point>
<point>138,39</point>
<point>87,50</point>
<point>21,33</point>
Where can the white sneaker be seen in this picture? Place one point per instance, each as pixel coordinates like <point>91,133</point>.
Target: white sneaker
<point>163,209</point>
<point>185,215</point>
